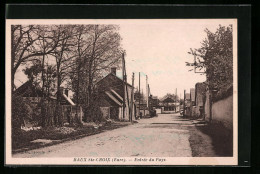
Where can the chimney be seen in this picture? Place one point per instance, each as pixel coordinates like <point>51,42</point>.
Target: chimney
<point>113,70</point>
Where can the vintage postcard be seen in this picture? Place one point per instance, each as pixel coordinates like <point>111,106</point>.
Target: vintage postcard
<point>121,92</point>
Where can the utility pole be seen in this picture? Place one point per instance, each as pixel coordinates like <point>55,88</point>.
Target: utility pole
<point>184,98</point>
<point>132,99</point>
<point>149,104</point>
<point>143,102</point>
<point>180,103</point>
<point>123,73</point>
<point>126,91</point>
<point>147,95</point>
<point>139,96</point>
<point>176,100</point>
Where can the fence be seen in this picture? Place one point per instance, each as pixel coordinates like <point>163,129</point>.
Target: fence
<point>71,113</point>
<point>52,113</point>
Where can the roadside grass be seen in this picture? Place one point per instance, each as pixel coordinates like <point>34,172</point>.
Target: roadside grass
<point>211,140</point>
<point>22,140</point>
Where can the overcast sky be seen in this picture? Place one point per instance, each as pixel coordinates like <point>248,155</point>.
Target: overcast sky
<point>158,48</point>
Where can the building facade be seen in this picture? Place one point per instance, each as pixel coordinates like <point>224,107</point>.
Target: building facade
<point>115,97</point>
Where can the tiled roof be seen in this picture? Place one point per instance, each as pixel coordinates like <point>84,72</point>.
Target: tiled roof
<point>108,93</point>
<point>111,74</point>
<point>68,99</point>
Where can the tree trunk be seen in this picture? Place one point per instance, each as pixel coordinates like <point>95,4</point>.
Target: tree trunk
<point>12,81</point>
<point>58,114</point>
<point>43,107</point>
<point>90,103</point>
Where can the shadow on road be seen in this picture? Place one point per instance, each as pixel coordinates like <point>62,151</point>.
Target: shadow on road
<point>211,140</point>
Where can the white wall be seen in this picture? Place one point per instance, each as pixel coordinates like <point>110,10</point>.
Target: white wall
<point>222,111</point>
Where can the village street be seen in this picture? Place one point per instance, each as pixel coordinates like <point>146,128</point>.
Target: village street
<point>165,136</point>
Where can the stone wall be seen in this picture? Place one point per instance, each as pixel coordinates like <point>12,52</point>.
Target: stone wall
<point>222,111</point>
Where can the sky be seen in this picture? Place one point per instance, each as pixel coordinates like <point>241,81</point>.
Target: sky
<point>159,49</point>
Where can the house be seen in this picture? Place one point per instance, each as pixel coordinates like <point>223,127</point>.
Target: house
<point>192,102</point>
<point>113,93</point>
<point>70,110</point>
<point>33,94</point>
<point>169,103</point>
<point>154,101</point>
<point>187,102</point>
<point>192,96</point>
<point>200,98</point>
<point>29,91</point>
<point>154,105</point>
<point>143,110</point>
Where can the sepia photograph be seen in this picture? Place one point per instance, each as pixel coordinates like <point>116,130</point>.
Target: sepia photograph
<point>121,92</point>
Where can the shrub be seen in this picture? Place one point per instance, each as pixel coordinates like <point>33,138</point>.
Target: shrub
<point>21,110</point>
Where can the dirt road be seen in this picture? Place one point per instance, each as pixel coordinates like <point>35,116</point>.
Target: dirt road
<point>165,136</point>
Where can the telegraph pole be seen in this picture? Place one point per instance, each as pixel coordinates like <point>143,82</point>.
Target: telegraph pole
<point>123,73</point>
<point>184,98</point>
<point>147,97</point>
<point>175,100</point>
<point>143,102</point>
<point>139,96</point>
<point>132,99</point>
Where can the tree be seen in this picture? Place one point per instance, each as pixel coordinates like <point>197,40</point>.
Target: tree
<point>216,56</point>
<point>24,46</point>
<point>21,110</point>
<point>33,72</point>
<point>50,78</point>
<point>105,52</point>
<point>79,55</point>
<point>63,60</point>
<point>77,73</point>
<point>98,48</point>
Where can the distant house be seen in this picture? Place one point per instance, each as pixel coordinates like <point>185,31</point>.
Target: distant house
<point>141,108</point>
<point>200,97</point>
<point>154,101</point>
<point>169,103</point>
<point>192,96</point>
<point>187,102</point>
<point>33,93</point>
<point>29,91</point>
<point>187,97</point>
<point>200,93</point>
<point>112,96</point>
<point>192,108</point>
